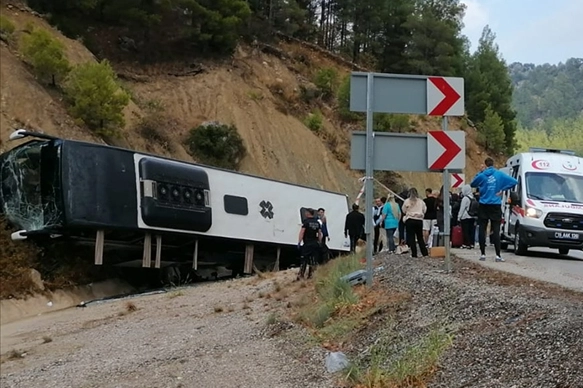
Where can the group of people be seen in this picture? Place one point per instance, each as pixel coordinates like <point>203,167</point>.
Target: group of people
<point>416,219</point>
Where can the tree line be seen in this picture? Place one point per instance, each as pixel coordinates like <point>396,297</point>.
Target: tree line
<point>397,36</point>
<point>566,134</point>
<point>546,93</point>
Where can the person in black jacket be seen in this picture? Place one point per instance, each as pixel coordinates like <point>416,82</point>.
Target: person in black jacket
<point>456,202</point>
<point>311,237</point>
<point>354,226</point>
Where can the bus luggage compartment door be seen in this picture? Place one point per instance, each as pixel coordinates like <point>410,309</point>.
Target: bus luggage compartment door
<point>174,196</point>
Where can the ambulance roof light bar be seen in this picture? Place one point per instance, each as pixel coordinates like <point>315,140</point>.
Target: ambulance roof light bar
<point>552,150</point>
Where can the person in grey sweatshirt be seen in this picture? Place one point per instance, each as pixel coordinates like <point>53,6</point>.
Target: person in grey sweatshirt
<point>467,218</point>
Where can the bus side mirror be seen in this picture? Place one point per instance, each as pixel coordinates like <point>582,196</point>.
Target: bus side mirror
<point>514,198</point>
<point>18,134</point>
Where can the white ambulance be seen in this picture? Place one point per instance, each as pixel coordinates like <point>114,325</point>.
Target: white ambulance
<point>545,208</point>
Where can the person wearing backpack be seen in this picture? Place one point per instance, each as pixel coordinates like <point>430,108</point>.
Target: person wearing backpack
<point>467,216</point>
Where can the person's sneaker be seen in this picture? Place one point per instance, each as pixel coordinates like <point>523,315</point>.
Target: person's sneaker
<point>499,259</point>
<point>482,257</point>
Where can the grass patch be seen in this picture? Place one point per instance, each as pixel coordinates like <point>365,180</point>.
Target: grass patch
<point>6,27</point>
<point>175,294</point>
<point>255,95</point>
<point>413,367</point>
<point>314,121</point>
<point>332,312</point>
<point>272,319</point>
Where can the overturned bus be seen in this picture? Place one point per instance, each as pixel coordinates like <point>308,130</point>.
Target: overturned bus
<point>157,208</point>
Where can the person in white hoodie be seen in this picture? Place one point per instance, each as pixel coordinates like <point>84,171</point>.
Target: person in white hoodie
<point>414,209</point>
<point>467,218</point>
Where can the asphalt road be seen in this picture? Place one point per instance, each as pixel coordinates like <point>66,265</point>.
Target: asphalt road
<point>540,264</point>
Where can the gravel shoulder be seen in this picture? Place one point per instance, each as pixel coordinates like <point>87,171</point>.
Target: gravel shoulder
<point>507,330</point>
<point>210,335</point>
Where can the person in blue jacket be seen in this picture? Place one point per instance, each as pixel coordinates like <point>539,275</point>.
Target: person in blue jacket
<point>390,217</point>
<point>491,183</point>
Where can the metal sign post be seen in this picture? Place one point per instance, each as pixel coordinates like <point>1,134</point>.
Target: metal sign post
<point>368,188</point>
<point>443,151</point>
<point>446,210</point>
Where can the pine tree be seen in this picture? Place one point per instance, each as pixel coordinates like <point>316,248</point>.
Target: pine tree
<point>488,84</point>
<point>395,36</point>
<point>437,46</point>
<point>492,131</point>
<point>46,54</point>
<point>96,98</point>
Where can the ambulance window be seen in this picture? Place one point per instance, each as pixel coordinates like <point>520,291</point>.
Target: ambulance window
<point>518,187</point>
<point>515,171</point>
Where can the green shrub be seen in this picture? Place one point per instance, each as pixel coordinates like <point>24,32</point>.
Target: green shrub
<point>96,98</point>
<point>391,122</point>
<point>46,54</point>
<point>314,121</point>
<point>6,26</point>
<point>217,145</point>
<point>326,80</point>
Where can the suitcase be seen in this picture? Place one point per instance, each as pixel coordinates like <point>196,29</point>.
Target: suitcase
<point>457,237</point>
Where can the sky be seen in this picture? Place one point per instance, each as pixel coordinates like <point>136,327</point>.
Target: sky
<point>529,31</point>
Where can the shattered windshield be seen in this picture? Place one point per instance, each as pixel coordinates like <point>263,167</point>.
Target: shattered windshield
<point>22,188</point>
<point>548,186</point>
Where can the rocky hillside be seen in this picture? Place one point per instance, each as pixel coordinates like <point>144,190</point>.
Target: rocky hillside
<point>260,90</point>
